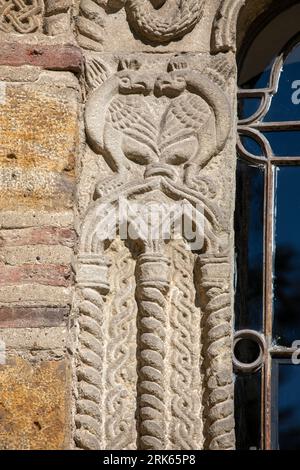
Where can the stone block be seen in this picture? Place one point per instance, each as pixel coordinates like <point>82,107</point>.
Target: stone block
<point>39,135</point>
<point>33,409</point>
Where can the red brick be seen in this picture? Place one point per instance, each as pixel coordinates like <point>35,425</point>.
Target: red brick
<point>38,236</point>
<point>45,274</point>
<point>51,57</point>
<point>33,317</point>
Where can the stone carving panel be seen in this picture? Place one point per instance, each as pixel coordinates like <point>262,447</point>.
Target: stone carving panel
<point>20,16</point>
<point>153,21</point>
<point>158,130</point>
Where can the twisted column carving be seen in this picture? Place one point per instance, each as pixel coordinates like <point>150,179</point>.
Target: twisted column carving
<point>217,337</point>
<point>89,415</point>
<point>152,288</point>
<point>185,380</point>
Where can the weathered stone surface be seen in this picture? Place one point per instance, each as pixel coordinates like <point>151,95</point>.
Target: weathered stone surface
<point>39,135</point>
<point>33,317</point>
<point>37,254</point>
<point>35,339</point>
<point>35,294</point>
<point>23,217</point>
<point>33,408</point>
<point>37,236</point>
<point>48,275</point>
<point>58,57</point>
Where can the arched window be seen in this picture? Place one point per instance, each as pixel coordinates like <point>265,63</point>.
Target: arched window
<point>267,226</point>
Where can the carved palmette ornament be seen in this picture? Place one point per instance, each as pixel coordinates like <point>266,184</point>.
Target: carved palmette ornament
<point>20,16</point>
<point>157,21</point>
<point>163,128</point>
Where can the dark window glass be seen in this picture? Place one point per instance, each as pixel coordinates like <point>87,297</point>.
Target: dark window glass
<point>249,231</point>
<point>286,327</point>
<point>286,384</point>
<point>248,411</point>
<point>261,80</point>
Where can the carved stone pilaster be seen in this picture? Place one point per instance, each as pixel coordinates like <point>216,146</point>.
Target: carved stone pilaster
<point>92,280</point>
<point>157,134</point>
<point>153,283</point>
<point>217,331</point>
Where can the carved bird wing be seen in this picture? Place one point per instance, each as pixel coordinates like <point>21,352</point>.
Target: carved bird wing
<point>182,124</point>
<point>133,117</point>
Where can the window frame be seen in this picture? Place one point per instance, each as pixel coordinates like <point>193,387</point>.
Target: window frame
<point>251,127</point>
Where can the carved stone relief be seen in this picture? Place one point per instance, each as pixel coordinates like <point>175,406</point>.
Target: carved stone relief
<point>152,22</point>
<point>20,16</point>
<point>49,17</point>
<point>152,316</point>
<point>158,129</point>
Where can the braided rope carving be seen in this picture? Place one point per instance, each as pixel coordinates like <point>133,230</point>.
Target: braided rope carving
<point>89,406</point>
<point>217,338</point>
<point>120,406</point>
<point>185,429</point>
<point>152,288</point>
<point>172,21</point>
<point>20,16</point>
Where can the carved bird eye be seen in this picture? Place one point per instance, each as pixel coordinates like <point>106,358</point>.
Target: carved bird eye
<point>125,81</point>
<point>181,81</point>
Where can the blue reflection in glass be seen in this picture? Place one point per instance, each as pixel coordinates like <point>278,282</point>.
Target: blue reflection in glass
<point>248,106</point>
<point>249,223</point>
<point>282,107</point>
<point>289,407</point>
<point>252,146</point>
<point>286,325</point>
<point>284,143</point>
<point>247,404</point>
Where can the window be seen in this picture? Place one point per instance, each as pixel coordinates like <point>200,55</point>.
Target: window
<point>267,226</point>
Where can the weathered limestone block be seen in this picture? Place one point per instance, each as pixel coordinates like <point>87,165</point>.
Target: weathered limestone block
<point>39,137</point>
<point>57,16</point>
<point>33,317</point>
<point>33,404</point>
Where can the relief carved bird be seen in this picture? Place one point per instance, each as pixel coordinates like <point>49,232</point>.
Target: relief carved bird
<point>125,122</point>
